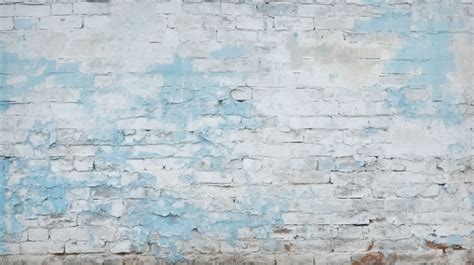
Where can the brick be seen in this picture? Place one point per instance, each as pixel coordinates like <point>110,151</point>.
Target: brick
<point>6,10</point>
<point>314,10</point>
<point>286,23</point>
<point>42,247</point>
<point>91,8</point>
<point>96,21</point>
<point>251,164</point>
<point>83,164</point>
<point>56,22</point>
<point>277,9</point>
<point>38,234</point>
<point>22,10</point>
<point>252,23</point>
<point>6,23</point>
<point>82,247</point>
<point>70,233</point>
<point>25,23</point>
<point>61,9</point>
<point>291,132</point>
<point>202,8</point>
<point>238,9</point>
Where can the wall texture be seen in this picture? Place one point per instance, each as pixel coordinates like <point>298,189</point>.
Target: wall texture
<point>325,131</point>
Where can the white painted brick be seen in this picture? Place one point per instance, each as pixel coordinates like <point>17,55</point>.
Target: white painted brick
<point>238,9</point>
<point>122,247</point>
<point>296,132</point>
<point>253,23</point>
<point>314,10</point>
<point>83,164</point>
<point>70,233</point>
<point>61,8</point>
<point>287,23</point>
<point>40,234</point>
<point>6,23</point>
<point>202,8</point>
<point>22,10</point>
<point>251,164</point>
<point>168,7</point>
<point>96,21</point>
<point>41,247</point>
<point>91,8</point>
<point>6,10</point>
<point>82,247</point>
<point>241,93</point>
<point>185,21</point>
<point>230,36</point>
<point>56,22</point>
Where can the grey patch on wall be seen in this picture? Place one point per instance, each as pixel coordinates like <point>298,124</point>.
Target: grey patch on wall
<point>98,1</point>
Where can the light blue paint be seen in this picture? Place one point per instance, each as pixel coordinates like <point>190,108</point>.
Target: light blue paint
<point>25,23</point>
<point>368,131</point>
<point>450,240</point>
<point>175,219</point>
<point>45,193</point>
<point>326,163</point>
<point>114,157</point>
<point>186,95</point>
<point>428,52</point>
<point>4,166</point>
<point>38,193</point>
<point>34,72</point>
<point>171,218</point>
<point>107,133</point>
<point>44,128</point>
<point>229,52</point>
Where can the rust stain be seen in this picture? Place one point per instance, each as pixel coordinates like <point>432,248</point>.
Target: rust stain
<point>288,247</point>
<point>282,231</point>
<point>370,258</point>
<point>371,245</point>
<point>434,245</point>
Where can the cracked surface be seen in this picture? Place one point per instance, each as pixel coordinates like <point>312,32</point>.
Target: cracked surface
<point>318,132</point>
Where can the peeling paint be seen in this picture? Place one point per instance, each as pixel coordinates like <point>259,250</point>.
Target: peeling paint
<point>427,58</point>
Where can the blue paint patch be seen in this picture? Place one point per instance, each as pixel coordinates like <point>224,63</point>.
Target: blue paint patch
<point>38,193</point>
<point>326,163</point>
<point>175,220</point>
<point>4,166</point>
<point>25,23</point>
<point>229,52</point>
<point>172,219</point>
<point>425,56</point>
<point>113,156</point>
<point>186,96</point>
<point>450,240</point>
<point>44,193</point>
<point>32,72</point>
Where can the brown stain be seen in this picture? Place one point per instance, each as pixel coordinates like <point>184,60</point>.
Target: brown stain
<point>434,245</point>
<point>288,247</point>
<point>282,231</point>
<point>371,245</point>
<point>370,258</point>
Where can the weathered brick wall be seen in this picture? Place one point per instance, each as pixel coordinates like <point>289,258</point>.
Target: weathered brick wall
<point>325,131</point>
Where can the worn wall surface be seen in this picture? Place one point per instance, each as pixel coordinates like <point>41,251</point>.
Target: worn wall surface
<point>325,131</point>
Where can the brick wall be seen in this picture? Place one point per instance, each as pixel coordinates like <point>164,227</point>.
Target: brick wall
<point>325,131</point>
